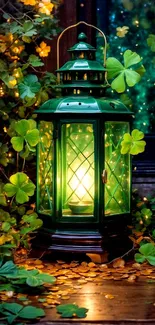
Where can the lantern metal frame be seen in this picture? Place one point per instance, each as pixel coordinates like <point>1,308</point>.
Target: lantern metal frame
<point>89,234</point>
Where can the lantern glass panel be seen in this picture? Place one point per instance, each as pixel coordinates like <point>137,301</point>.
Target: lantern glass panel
<point>77,152</point>
<point>117,188</point>
<point>45,168</point>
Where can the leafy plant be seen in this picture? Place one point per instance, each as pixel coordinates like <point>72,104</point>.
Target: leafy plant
<point>20,276</point>
<point>133,143</point>
<point>29,87</point>
<point>12,311</point>
<point>24,84</point>
<point>15,235</point>
<point>72,310</point>
<point>19,187</point>
<point>144,217</point>
<point>27,134</point>
<point>146,253</point>
<point>127,74</point>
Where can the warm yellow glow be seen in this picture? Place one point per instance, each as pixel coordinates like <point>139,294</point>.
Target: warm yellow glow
<point>81,56</point>
<point>81,181</point>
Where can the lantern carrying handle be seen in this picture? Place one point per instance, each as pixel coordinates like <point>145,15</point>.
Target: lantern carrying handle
<point>72,26</point>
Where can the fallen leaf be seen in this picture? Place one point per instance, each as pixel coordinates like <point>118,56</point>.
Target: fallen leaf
<point>136,266</point>
<point>9,294</point>
<point>65,297</point>
<point>132,278</point>
<point>118,263</point>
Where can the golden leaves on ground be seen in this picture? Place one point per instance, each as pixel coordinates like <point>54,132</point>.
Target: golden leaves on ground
<point>71,277</point>
<point>119,262</point>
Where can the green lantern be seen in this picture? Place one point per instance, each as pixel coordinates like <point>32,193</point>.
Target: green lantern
<point>83,180</point>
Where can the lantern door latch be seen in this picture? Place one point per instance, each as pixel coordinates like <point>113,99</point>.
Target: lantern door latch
<point>104,176</point>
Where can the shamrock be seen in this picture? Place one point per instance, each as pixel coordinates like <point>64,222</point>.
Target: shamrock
<point>26,133</point>
<point>146,253</point>
<point>124,74</point>
<point>132,143</point>
<point>70,310</point>
<point>20,186</point>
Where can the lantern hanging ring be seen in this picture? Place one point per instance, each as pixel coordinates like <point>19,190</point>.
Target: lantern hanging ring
<point>90,25</point>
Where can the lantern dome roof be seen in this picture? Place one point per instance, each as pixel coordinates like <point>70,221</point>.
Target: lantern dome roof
<point>82,84</point>
<point>82,64</point>
<point>82,46</point>
<point>83,104</point>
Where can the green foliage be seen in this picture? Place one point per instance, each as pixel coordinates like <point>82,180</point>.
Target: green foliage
<point>146,253</point>
<point>20,276</point>
<point>35,61</point>
<point>26,134</point>
<point>151,42</point>
<point>29,87</point>
<point>143,222</point>
<point>7,268</point>
<point>133,143</point>
<point>12,311</point>
<point>72,310</point>
<point>20,186</point>
<point>15,233</point>
<point>3,154</point>
<point>32,278</point>
<point>2,195</point>
<point>127,74</point>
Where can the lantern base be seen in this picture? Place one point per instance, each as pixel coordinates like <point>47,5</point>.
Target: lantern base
<point>89,242</point>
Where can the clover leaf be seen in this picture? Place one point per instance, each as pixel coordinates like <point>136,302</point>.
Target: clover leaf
<point>124,74</point>
<point>13,310</point>
<point>35,61</point>
<point>29,87</point>
<point>151,42</point>
<point>146,253</point>
<point>20,186</point>
<point>146,212</point>
<point>26,133</point>
<point>133,143</point>
<point>32,278</point>
<point>71,310</point>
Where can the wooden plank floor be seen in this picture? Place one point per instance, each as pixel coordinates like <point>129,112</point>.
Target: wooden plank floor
<point>133,303</point>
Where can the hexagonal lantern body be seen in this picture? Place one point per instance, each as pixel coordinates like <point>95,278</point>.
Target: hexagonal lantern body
<point>83,180</point>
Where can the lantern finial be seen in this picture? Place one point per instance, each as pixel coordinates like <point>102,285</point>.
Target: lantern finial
<point>82,37</point>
